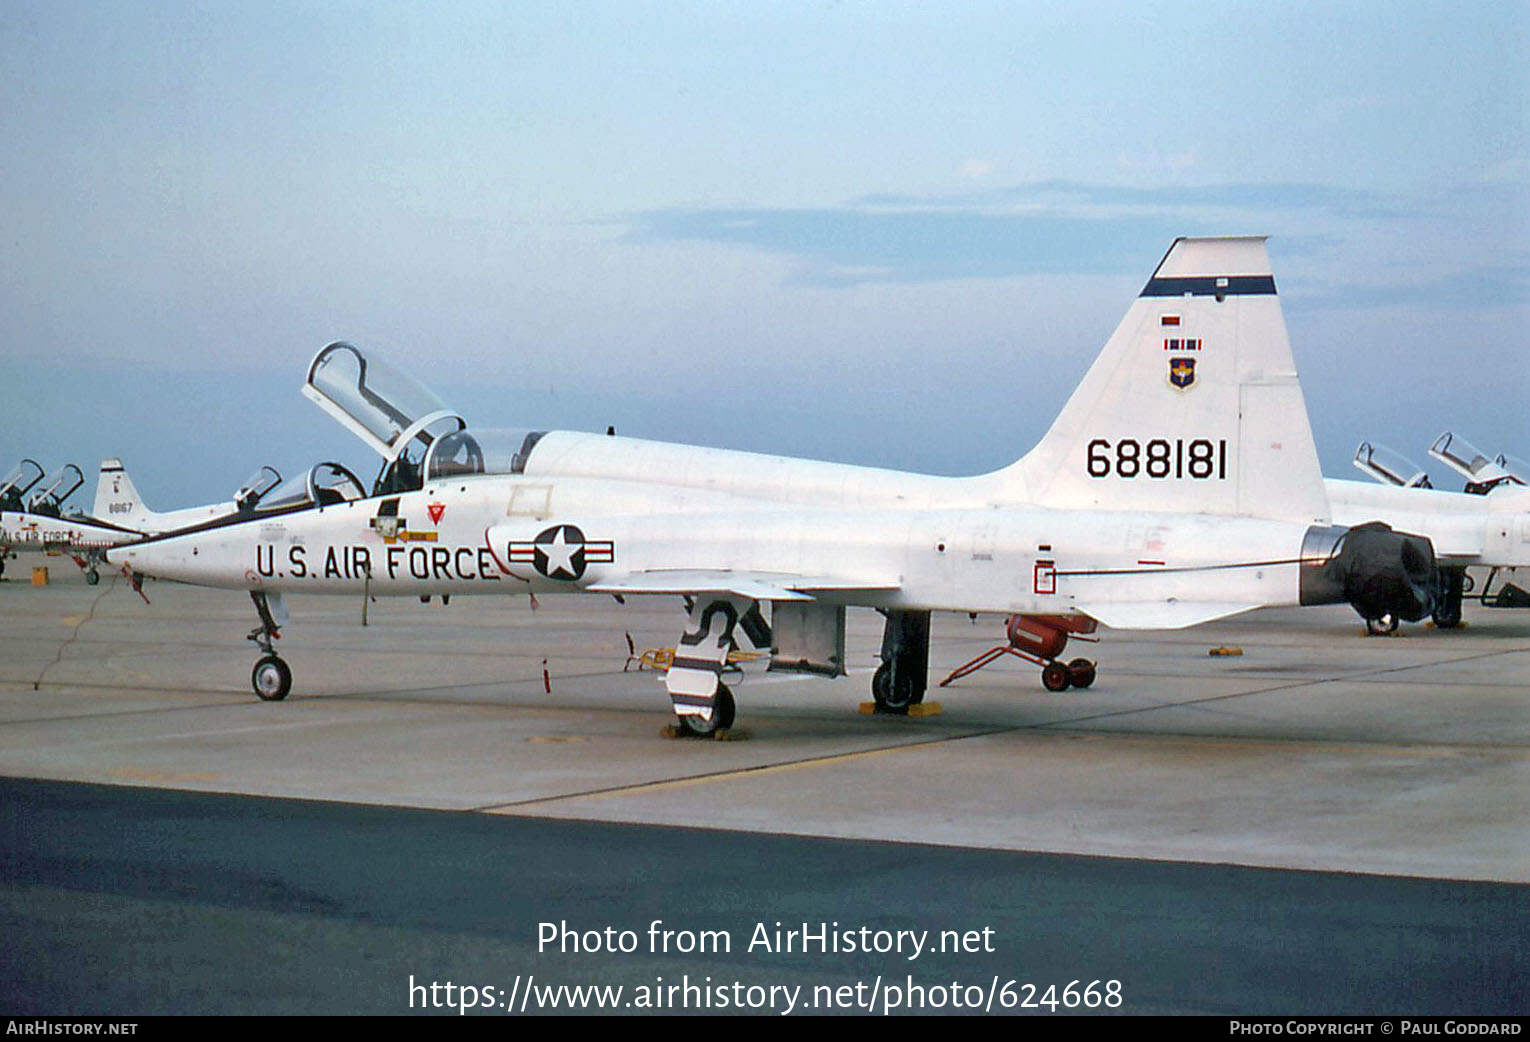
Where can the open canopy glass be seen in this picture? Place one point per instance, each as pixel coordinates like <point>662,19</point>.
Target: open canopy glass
<point>378,402</point>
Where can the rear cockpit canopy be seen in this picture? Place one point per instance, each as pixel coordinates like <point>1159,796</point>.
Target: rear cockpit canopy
<point>398,417</point>
<point>464,453</point>
<point>50,500</point>
<point>1481,473</point>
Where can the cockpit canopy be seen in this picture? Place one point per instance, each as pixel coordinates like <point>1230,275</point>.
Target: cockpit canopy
<point>419,438</point>
<point>466,452</point>
<point>396,415</point>
<point>1388,467</point>
<point>324,485</point>
<point>1517,468</point>
<point>51,499</point>
<point>253,490</point>
<point>376,401</point>
<point>1470,462</point>
<point>18,483</point>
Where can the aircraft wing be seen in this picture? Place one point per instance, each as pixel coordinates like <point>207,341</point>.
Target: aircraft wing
<point>1160,615</point>
<point>759,586</point>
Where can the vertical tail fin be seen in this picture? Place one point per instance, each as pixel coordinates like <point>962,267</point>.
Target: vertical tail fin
<point>1192,406</point>
<point>116,499</point>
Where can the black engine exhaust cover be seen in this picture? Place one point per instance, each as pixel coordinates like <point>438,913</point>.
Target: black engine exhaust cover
<point>1377,571</point>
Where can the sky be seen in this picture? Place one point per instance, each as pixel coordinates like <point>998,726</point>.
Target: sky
<point>883,233</point>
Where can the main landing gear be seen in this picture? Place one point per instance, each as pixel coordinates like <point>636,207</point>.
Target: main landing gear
<point>89,563</point>
<point>723,712</point>
<point>1451,589</point>
<point>704,707</point>
<point>272,677</point>
<point>902,678</point>
<point>1041,639</point>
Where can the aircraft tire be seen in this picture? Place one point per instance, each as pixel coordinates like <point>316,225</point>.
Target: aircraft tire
<point>1081,672</point>
<point>271,678</point>
<point>1386,624</point>
<point>723,712</point>
<point>893,696</point>
<point>1446,619</point>
<point>92,577</point>
<point>1055,677</point>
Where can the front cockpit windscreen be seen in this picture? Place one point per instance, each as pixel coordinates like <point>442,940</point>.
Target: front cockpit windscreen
<point>1517,468</point>
<point>464,453</point>
<point>253,490</point>
<point>18,483</point>
<point>323,485</point>
<point>376,401</point>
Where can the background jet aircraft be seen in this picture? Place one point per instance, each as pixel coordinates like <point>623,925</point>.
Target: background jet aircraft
<point>38,521</point>
<point>1178,485</point>
<point>118,501</point>
<point>1486,525</point>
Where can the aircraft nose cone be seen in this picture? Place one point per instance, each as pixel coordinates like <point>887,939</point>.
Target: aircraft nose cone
<point>129,554</point>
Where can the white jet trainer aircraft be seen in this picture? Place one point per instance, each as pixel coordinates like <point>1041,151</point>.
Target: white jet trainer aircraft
<point>118,501</point>
<point>1487,525</point>
<point>38,521</point>
<point>1180,484</point>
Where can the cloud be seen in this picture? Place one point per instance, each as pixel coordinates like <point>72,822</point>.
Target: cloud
<point>851,246</point>
<point>976,168</point>
<point>1042,228</point>
<point>1475,289</point>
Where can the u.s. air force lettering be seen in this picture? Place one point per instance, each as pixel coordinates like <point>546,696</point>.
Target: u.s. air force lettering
<point>562,552</point>
<point>433,562</point>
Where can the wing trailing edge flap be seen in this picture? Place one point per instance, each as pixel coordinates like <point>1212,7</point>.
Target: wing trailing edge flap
<point>758,586</point>
<point>1161,615</point>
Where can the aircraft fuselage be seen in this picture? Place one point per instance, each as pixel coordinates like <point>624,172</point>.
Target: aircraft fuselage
<point>496,534</point>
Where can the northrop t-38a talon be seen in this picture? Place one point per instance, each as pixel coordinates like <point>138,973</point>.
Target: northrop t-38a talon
<point>1487,525</point>
<point>1179,485</point>
<point>37,520</point>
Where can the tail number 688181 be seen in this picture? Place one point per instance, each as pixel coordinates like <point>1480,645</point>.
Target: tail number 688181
<point>1200,459</point>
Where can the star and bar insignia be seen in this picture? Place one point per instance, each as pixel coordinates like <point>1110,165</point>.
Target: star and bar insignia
<point>562,552</point>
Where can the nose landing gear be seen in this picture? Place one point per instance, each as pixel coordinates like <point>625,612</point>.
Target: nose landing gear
<point>272,677</point>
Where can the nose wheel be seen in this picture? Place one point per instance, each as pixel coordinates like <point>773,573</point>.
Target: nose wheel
<point>271,679</point>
